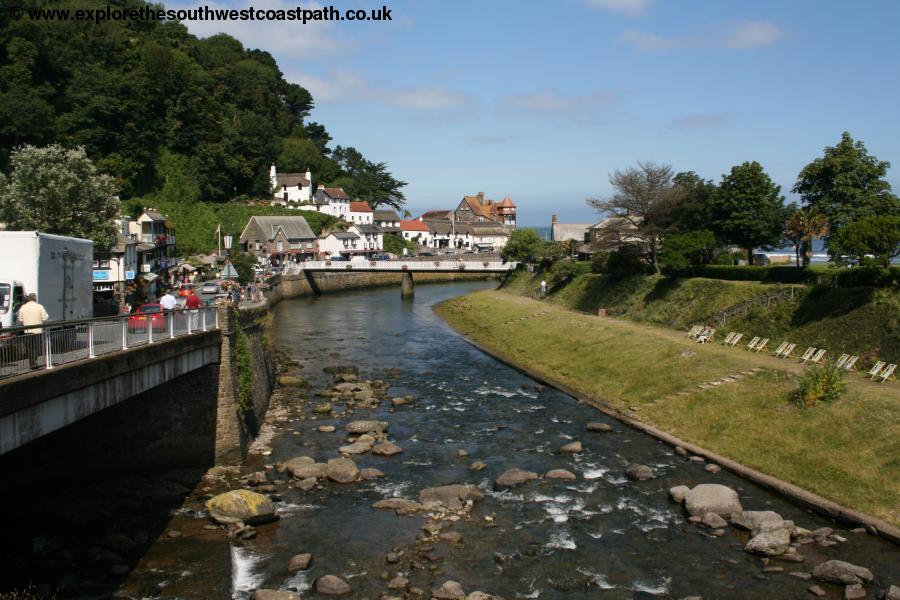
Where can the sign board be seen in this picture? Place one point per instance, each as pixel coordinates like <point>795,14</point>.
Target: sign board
<point>129,275</point>
<point>101,275</point>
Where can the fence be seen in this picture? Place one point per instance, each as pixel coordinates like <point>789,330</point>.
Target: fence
<point>767,300</point>
<point>64,342</point>
<point>401,265</point>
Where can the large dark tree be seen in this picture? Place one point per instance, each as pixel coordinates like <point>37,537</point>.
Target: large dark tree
<point>692,213</point>
<point>748,209</point>
<point>367,180</point>
<point>847,184</point>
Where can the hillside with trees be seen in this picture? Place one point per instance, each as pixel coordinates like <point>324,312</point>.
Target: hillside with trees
<point>167,115</point>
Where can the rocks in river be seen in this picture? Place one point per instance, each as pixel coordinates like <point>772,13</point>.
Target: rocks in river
<point>756,519</point>
<point>513,477</point>
<point>370,473</point>
<point>893,593</point>
<point>712,497</point>
<point>449,496</point>
<point>678,493</point>
<point>398,583</point>
<point>599,427</point>
<point>712,468</point>
<point>815,591</point>
<point>401,506</point>
<point>274,595</point>
<point>292,381</point>
<point>454,537</point>
<point>342,470</point>
<point>482,596</point>
<point>326,428</point>
<point>257,478</point>
<point>571,448</point>
<point>462,453</point>
<point>307,484</point>
<point>639,472</point>
<point>341,370</point>
<point>450,590</point>
<point>854,592</point>
<point>323,408</point>
<point>478,466</point>
<point>770,543</point>
<point>367,426</point>
<point>304,467</point>
<point>355,448</point>
<point>241,506</point>
<point>838,571</point>
<point>560,474</point>
<point>680,451</point>
<point>402,400</point>
<point>386,448</point>
<point>714,521</point>
<point>332,585</point>
<point>299,562</point>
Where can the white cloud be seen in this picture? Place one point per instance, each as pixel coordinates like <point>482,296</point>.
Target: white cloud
<point>278,37</point>
<point>548,102</point>
<point>632,8</point>
<point>752,34</point>
<point>739,36</point>
<point>349,86</point>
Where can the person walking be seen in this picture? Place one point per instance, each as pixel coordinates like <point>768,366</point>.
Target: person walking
<point>193,304</point>
<point>30,314</point>
<point>168,301</point>
<point>543,287</point>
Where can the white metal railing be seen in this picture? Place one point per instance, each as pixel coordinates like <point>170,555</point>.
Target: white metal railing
<point>400,265</point>
<point>64,342</point>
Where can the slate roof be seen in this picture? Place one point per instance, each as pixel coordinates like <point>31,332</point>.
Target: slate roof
<point>344,235</point>
<point>367,228</point>
<point>385,215</point>
<point>295,228</point>
<point>290,179</point>
<point>560,232</point>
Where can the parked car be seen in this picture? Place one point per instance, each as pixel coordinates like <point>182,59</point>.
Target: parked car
<point>147,315</point>
<point>381,257</point>
<point>339,258</point>
<point>210,287</point>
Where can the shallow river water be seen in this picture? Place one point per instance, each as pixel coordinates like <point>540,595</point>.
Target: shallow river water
<point>600,536</point>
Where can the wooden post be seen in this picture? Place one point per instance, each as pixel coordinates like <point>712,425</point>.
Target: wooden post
<point>406,285</point>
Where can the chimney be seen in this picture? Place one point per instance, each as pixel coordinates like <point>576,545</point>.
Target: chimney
<point>308,175</point>
<point>552,219</point>
<point>321,186</point>
<point>481,198</point>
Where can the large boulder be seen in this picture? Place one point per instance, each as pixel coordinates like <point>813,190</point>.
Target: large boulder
<point>838,571</point>
<point>449,496</point>
<point>401,506</point>
<point>332,585</point>
<point>367,426</point>
<point>712,497</point>
<point>305,470</point>
<point>342,470</point>
<point>770,543</point>
<point>241,505</point>
<point>513,477</point>
<point>450,590</point>
<point>756,519</point>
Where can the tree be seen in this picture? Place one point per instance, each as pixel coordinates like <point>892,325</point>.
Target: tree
<point>299,154</point>
<point>802,227</point>
<point>367,180</point>
<point>523,245</point>
<point>58,190</point>
<point>847,184</point>
<point>643,203</point>
<point>878,237</point>
<point>748,209</point>
<point>682,250</point>
<point>693,211</point>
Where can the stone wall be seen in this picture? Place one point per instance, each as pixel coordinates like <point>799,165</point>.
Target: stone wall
<point>290,286</point>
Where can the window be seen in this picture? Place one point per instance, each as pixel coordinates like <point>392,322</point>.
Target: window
<point>104,263</point>
<point>279,245</point>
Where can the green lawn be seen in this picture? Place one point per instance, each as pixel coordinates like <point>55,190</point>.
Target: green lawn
<point>848,451</point>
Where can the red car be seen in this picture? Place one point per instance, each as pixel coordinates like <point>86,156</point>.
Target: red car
<point>145,313</point>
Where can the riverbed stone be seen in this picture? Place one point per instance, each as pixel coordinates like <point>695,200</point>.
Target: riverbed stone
<point>599,427</point>
<point>838,571</point>
<point>355,448</point>
<point>678,493</point>
<point>893,593</point>
<point>515,476</point>
<point>241,506</point>
<point>332,585</point>
<point>386,448</point>
<point>323,408</point>
<point>454,537</point>
<point>274,595</point>
<point>854,592</point>
<point>815,591</point>
<point>770,543</point>
<point>639,472</point>
<point>571,448</point>
<point>367,426</point>
<point>305,470</point>
<point>299,562</point>
<point>401,506</point>
<point>370,473</point>
<point>559,474</point>
<point>398,583</point>
<point>342,470</point>
<point>306,484</point>
<point>450,590</point>
<point>449,496</point>
<point>292,381</point>
<point>712,497</point>
<point>756,519</point>
<point>326,428</point>
<point>714,521</point>
<point>401,400</point>
<point>478,466</point>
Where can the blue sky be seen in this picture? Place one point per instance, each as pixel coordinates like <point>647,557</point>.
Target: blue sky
<point>542,100</point>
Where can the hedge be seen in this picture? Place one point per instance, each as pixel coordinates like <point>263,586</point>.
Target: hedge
<point>840,277</point>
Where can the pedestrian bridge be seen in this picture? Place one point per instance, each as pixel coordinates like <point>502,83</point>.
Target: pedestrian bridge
<point>402,266</point>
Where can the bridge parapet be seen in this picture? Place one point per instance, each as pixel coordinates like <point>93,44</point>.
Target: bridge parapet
<point>393,266</point>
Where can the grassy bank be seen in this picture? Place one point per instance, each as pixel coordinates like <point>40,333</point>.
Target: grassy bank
<point>864,321</point>
<point>848,451</point>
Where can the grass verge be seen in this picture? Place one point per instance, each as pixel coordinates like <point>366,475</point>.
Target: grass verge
<point>847,451</point>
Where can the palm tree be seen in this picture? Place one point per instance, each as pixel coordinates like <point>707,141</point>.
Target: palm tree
<point>804,225</point>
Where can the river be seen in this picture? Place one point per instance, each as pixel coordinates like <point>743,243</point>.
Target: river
<point>599,536</point>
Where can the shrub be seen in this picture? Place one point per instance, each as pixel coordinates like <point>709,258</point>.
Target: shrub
<point>598,261</point>
<point>821,384</point>
<point>564,271</point>
<point>627,260</point>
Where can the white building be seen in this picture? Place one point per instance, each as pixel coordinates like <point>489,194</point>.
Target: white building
<point>388,220</point>
<point>290,189</point>
<point>332,201</point>
<point>360,212</point>
<point>339,243</point>
<point>371,237</point>
<point>416,231</point>
<point>113,270</point>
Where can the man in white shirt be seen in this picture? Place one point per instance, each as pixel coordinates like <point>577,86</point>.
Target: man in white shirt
<point>30,314</point>
<point>167,301</point>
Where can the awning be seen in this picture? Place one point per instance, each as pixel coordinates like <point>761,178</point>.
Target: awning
<point>149,276</point>
<point>187,267</point>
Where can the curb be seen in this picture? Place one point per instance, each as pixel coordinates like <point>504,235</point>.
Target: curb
<point>805,498</point>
